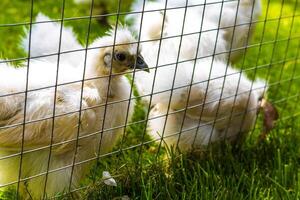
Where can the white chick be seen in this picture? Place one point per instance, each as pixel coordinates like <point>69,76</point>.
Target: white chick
<point>37,135</point>
<point>223,103</point>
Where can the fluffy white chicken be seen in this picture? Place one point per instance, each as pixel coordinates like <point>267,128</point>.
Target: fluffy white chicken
<point>36,136</point>
<point>226,106</point>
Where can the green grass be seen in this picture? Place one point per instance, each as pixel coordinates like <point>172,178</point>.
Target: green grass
<point>265,170</point>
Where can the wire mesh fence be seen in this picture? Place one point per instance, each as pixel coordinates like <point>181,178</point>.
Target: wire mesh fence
<point>118,85</point>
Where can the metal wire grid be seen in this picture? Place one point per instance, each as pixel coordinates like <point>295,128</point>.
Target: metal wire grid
<point>145,121</point>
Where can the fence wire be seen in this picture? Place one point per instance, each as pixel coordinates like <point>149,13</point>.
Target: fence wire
<point>259,68</point>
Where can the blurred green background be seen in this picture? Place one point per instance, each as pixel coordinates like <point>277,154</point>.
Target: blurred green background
<point>266,170</point>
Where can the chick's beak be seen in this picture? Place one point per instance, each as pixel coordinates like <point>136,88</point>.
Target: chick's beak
<point>141,64</point>
<point>143,67</point>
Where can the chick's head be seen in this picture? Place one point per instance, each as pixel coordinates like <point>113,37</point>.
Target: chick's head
<point>119,53</point>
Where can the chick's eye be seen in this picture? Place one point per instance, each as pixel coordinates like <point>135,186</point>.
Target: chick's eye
<point>120,57</point>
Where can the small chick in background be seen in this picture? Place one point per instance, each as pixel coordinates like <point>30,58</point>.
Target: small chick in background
<point>68,118</point>
<point>223,100</point>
